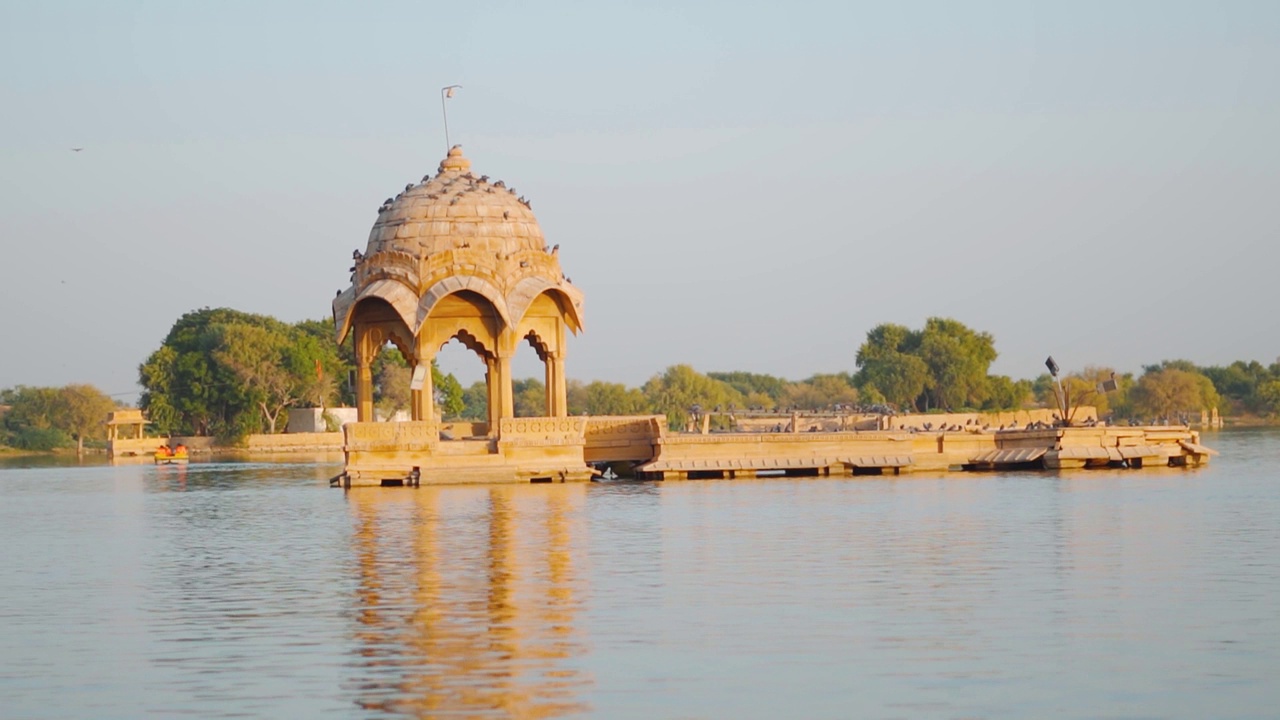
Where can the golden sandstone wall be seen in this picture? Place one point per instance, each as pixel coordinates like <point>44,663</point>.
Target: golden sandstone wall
<point>282,443</point>
<point>295,442</point>
<point>993,421</point>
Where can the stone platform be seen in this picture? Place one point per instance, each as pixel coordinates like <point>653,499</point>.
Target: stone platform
<point>733,455</point>
<point>571,449</point>
<point>547,449</point>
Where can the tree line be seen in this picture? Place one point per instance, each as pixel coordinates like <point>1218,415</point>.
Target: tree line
<point>46,418</point>
<point>224,372</point>
<point>227,373</point>
<point>944,366</point>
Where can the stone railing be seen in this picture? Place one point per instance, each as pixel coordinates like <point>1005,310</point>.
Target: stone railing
<point>391,436</point>
<point>991,420</point>
<point>612,438</point>
<point>126,447</point>
<point>543,430</point>
<point>295,442</point>
<point>625,427</point>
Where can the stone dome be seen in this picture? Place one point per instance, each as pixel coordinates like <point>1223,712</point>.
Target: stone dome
<point>452,210</point>
<point>456,233</point>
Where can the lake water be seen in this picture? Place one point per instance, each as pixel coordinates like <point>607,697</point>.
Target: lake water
<point>254,590</point>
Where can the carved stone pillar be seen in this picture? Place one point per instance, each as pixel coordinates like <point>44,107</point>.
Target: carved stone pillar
<point>491,384</point>
<point>562,387</point>
<point>557,388</point>
<point>505,394</point>
<point>364,390</point>
<point>550,367</point>
<point>367,342</point>
<point>423,401</point>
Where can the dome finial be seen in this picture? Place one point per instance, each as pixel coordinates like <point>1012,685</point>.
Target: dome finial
<point>455,162</point>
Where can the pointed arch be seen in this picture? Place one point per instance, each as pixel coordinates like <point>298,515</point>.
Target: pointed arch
<point>395,293</point>
<point>525,292</point>
<point>538,343</point>
<point>455,284</point>
<point>470,342</point>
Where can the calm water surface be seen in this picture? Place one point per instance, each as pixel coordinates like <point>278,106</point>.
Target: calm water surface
<point>254,590</point>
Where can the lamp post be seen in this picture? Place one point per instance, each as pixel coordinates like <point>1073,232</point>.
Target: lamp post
<point>446,92</point>
<point>1063,400</point>
<point>1064,393</point>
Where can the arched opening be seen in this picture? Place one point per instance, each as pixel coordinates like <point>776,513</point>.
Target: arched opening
<point>543,327</point>
<point>392,374</point>
<point>474,322</point>
<point>461,397</point>
<point>529,371</point>
<point>377,324</point>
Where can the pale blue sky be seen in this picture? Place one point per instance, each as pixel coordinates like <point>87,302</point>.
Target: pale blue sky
<point>1098,181</point>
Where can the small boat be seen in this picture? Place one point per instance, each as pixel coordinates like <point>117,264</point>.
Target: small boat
<point>164,456</point>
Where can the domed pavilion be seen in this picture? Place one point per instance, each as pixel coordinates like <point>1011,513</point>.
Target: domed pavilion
<point>459,256</point>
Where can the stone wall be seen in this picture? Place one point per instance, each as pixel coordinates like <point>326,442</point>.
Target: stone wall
<point>295,442</point>
<point>622,437</point>
<point>993,420</point>
<point>311,420</point>
<point>282,443</point>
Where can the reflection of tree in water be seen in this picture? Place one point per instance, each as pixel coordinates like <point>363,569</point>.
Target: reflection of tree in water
<point>467,601</point>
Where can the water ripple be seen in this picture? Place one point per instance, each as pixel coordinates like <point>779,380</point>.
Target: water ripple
<point>253,590</point>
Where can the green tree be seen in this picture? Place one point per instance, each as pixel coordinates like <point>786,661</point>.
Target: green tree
<point>576,390</point>
<point>676,391</point>
<point>44,418</point>
<point>392,388</point>
<point>530,397</point>
<point>29,423</point>
<point>30,407</point>
<point>475,401</point>
<point>1005,393</point>
<point>225,372</point>
<point>81,411</point>
<point>958,359</point>
<point>157,374</point>
<point>889,367</point>
<point>606,398</point>
<point>1168,392</point>
<point>820,392</point>
<point>1085,388</point>
<point>336,360</point>
<point>760,401</point>
<point>1240,385</point>
<point>191,391</point>
<point>448,393</point>
<point>1267,396</point>
<point>747,383</point>
<point>1183,365</point>
<point>277,368</point>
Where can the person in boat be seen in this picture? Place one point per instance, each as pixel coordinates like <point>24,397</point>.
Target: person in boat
<point>180,450</point>
<point>164,451</point>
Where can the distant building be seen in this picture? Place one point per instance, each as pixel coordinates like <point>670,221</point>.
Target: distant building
<point>310,420</point>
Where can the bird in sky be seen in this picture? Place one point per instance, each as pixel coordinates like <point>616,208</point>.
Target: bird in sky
<point>76,149</point>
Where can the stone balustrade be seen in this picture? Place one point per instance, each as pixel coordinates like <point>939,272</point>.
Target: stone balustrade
<point>543,431</point>
<point>418,435</point>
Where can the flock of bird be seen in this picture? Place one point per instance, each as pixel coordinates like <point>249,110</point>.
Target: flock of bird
<point>972,425</point>
<point>474,184</point>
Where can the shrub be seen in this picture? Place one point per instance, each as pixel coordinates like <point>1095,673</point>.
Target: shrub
<point>40,439</point>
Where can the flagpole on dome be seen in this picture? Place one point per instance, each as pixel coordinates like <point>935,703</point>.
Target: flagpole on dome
<point>445,93</point>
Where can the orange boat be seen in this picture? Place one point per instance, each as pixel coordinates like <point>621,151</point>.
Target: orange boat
<point>172,456</point>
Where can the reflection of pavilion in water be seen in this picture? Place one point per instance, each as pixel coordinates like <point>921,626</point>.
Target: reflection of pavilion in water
<point>466,617</point>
